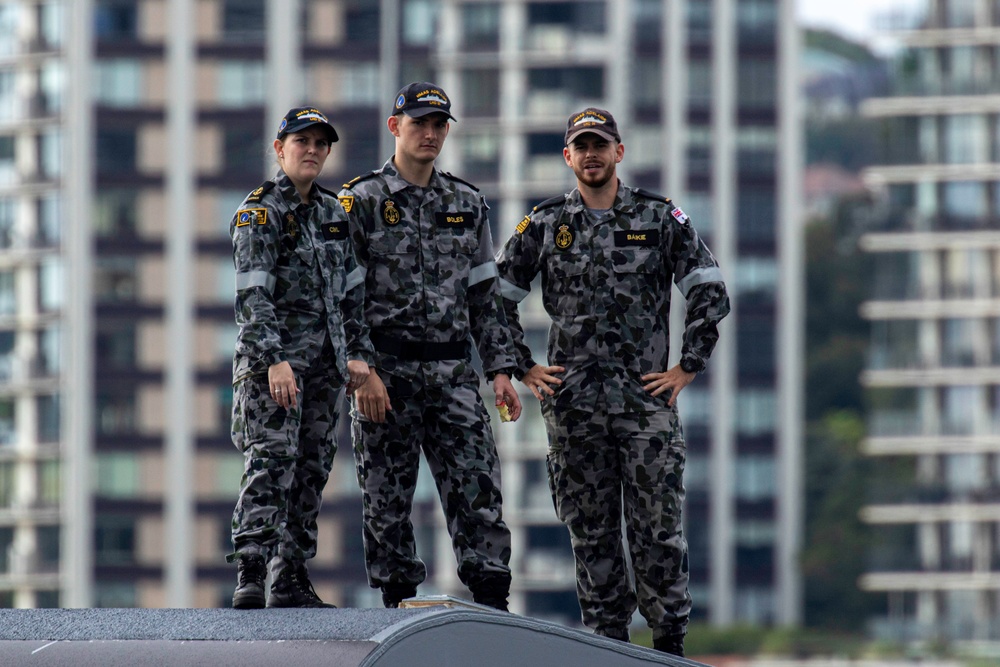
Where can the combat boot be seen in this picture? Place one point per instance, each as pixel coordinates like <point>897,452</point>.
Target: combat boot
<point>250,575</point>
<point>393,594</point>
<point>292,588</point>
<point>492,592</point>
<point>621,634</point>
<point>672,644</point>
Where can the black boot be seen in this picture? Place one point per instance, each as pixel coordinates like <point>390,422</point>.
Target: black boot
<point>393,594</point>
<point>292,588</point>
<point>621,634</point>
<point>491,592</point>
<point>250,574</point>
<point>672,644</point>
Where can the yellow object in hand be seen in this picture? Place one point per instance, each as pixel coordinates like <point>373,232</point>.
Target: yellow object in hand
<point>504,412</point>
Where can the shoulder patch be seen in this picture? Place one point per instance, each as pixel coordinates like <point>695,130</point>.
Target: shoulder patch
<point>652,195</point>
<point>459,180</point>
<point>259,193</point>
<point>552,201</point>
<point>363,177</point>
<point>248,216</point>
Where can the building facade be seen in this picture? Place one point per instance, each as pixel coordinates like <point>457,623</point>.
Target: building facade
<point>167,111</point>
<point>935,318</point>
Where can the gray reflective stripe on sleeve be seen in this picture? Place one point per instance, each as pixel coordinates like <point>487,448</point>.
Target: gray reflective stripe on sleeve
<point>249,279</point>
<point>484,271</point>
<point>710,274</point>
<point>512,292</point>
<point>355,278</point>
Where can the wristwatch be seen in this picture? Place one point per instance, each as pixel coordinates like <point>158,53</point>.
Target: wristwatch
<point>691,364</point>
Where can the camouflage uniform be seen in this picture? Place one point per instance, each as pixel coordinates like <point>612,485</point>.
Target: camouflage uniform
<point>299,297</point>
<point>606,284</point>
<point>431,288</point>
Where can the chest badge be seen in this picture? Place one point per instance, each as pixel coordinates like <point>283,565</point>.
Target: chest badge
<point>293,226</point>
<point>564,237</point>
<point>390,213</point>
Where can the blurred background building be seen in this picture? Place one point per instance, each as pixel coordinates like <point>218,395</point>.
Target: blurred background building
<point>131,129</point>
<point>935,317</point>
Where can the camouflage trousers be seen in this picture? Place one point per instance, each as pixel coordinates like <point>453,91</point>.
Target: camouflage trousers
<point>452,428</point>
<point>600,466</point>
<point>289,454</point>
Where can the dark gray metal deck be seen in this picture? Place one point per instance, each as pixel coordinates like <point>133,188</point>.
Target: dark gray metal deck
<point>425,637</point>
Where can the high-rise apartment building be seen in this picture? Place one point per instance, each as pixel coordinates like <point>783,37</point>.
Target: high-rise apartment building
<point>167,111</point>
<point>935,318</point>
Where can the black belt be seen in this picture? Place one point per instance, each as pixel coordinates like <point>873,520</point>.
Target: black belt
<point>419,350</point>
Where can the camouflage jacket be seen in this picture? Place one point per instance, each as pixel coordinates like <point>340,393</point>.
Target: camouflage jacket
<point>431,276</point>
<point>298,284</point>
<point>607,287</point>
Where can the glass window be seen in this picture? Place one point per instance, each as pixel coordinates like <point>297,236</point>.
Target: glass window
<point>959,410</point>
<point>755,411</point>
<point>50,23</point>
<point>116,212</point>
<point>49,232</point>
<point>116,20</point>
<point>47,541</point>
<point>114,540</point>
<point>419,22</point>
<point>960,13</point>
<point>115,344</point>
<point>755,275</point>
<point>7,358</point>
<point>114,595</point>
<point>966,472</point>
<point>118,82</point>
<point>226,341</point>
<point>362,24</point>
<point>480,25</point>
<point>958,342</point>
<point>8,298</point>
<point>756,83</point>
<point>755,346</point>
<point>9,20</point>
<point>8,162</point>
<point>6,540</point>
<point>48,357</point>
<point>116,151</point>
<point>481,92</point>
<point>51,86</point>
<point>755,477</point>
<point>965,200</point>
<point>242,149</point>
<point>361,81</point>
<point>49,486</point>
<point>115,279</point>
<point>117,475</point>
<point>7,421</point>
<point>8,480</point>
<point>115,414</point>
<point>50,285</point>
<point>50,153</point>
<point>756,214</point>
<point>241,82</point>
<point>8,95</point>
<point>49,418</point>
<point>7,221</point>
<point>966,139</point>
<point>243,19</point>
<point>481,156</point>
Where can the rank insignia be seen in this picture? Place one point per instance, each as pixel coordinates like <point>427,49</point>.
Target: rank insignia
<point>347,201</point>
<point>521,226</point>
<point>564,237</point>
<point>293,225</point>
<point>251,215</point>
<point>390,213</point>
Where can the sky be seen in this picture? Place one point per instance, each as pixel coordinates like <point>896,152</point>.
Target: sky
<point>852,18</point>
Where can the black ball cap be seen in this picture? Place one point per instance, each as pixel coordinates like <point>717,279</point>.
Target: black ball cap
<point>422,98</point>
<point>299,118</point>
